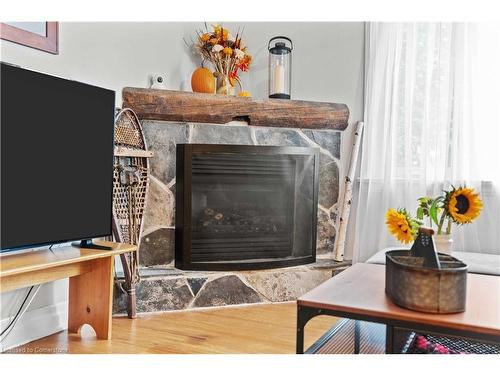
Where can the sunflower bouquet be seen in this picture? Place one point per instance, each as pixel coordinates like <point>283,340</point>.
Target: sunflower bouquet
<point>459,205</point>
<point>227,53</point>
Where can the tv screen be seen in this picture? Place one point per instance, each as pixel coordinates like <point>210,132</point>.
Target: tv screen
<point>56,159</point>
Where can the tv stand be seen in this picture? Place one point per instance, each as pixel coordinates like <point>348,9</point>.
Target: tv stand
<point>88,244</point>
<point>90,275</point>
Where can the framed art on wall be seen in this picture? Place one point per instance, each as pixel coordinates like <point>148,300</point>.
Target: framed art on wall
<point>39,35</point>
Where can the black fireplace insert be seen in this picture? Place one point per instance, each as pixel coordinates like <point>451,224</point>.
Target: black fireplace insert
<point>245,207</point>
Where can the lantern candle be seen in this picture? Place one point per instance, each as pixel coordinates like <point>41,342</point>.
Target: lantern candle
<point>279,79</point>
<point>280,67</point>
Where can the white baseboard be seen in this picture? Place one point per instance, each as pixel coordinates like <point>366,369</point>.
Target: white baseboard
<point>36,324</point>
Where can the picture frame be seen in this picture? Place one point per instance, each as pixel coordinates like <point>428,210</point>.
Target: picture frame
<point>26,37</point>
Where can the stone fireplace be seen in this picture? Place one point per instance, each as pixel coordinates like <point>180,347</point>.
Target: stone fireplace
<point>245,207</point>
<point>302,140</point>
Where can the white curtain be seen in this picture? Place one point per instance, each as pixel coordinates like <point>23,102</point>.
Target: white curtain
<point>432,118</point>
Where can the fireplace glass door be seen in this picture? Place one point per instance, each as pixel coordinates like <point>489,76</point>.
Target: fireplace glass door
<point>244,207</point>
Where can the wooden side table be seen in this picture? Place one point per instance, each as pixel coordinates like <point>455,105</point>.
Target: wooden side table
<point>91,274</point>
<point>359,293</point>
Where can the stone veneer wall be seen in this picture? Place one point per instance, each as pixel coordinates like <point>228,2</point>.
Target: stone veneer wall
<point>163,287</point>
<point>170,289</point>
<point>157,244</point>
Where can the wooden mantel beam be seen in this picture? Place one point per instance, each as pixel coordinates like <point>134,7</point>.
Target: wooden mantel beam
<point>220,109</point>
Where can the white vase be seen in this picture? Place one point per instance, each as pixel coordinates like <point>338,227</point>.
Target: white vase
<point>443,243</point>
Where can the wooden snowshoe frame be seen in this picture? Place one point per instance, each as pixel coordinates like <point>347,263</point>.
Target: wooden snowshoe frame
<point>130,187</point>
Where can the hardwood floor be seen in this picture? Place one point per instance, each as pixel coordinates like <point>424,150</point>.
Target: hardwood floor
<point>263,328</point>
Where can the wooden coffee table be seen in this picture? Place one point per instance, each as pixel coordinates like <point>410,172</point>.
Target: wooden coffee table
<point>359,293</point>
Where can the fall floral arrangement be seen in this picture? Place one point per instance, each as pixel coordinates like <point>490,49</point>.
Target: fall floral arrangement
<point>459,205</point>
<point>227,53</point>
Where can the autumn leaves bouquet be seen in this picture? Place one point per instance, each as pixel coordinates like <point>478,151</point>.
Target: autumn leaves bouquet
<point>458,206</point>
<point>227,54</point>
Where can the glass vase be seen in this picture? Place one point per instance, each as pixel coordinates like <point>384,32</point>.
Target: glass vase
<point>224,86</point>
<point>443,243</point>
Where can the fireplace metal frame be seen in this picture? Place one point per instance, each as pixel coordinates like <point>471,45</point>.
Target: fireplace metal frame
<point>183,211</point>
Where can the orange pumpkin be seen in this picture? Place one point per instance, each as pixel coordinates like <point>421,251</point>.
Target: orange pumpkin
<point>203,80</point>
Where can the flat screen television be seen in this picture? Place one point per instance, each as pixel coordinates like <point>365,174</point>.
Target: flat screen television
<point>56,159</point>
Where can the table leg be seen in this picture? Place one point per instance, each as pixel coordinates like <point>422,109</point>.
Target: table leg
<point>91,298</point>
<point>304,314</point>
<point>301,322</point>
<point>356,336</point>
<point>389,339</point>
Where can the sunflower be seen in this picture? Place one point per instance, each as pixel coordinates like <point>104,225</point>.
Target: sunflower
<point>401,225</point>
<point>463,204</point>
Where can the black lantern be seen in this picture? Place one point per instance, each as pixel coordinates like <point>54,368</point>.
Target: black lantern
<point>280,67</point>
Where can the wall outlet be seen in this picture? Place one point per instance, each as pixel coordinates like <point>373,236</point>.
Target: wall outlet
<point>157,81</point>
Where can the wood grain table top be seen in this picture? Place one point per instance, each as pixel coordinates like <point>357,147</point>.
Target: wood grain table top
<point>361,290</point>
<point>19,263</point>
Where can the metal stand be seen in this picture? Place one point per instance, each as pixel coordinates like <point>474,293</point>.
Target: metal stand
<point>357,343</point>
<point>306,313</point>
<point>88,244</point>
<point>389,339</point>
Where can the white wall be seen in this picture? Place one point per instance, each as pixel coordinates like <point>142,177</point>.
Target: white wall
<point>328,61</point>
